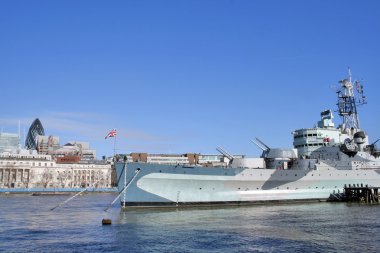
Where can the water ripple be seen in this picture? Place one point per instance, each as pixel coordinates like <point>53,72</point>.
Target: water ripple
<point>28,225</point>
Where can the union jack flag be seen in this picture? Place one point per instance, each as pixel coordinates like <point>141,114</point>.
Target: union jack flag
<point>111,134</point>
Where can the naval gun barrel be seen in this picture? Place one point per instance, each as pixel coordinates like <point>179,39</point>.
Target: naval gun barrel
<point>223,152</point>
<point>261,144</point>
<point>265,148</point>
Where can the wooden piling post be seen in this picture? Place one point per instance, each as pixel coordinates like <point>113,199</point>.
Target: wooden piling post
<point>358,193</point>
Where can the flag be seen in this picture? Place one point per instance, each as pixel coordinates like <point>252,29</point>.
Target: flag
<point>111,134</point>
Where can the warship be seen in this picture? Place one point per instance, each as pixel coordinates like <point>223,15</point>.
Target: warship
<point>323,160</point>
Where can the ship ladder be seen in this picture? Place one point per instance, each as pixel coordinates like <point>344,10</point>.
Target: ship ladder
<point>336,197</point>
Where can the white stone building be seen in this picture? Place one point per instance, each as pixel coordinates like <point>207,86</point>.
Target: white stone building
<point>31,170</point>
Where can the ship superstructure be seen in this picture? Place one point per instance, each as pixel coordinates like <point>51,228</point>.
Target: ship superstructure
<point>323,160</point>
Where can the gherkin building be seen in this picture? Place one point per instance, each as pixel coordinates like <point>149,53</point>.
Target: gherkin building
<point>34,130</point>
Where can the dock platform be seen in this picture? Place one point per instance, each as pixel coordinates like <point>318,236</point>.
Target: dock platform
<point>357,193</point>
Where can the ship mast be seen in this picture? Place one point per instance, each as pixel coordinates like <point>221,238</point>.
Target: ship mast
<point>347,102</point>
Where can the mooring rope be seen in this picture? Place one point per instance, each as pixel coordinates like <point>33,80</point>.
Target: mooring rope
<point>67,200</point>
<point>72,197</point>
<point>122,191</point>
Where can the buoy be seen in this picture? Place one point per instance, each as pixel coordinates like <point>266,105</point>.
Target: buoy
<point>106,222</point>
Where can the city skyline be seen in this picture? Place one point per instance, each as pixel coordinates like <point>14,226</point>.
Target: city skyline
<point>188,76</point>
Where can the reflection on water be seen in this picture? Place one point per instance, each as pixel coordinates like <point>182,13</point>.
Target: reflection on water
<point>29,225</point>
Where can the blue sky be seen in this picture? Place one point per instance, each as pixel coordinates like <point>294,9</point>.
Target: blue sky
<point>184,76</point>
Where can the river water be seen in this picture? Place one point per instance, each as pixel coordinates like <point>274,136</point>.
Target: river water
<point>28,225</point>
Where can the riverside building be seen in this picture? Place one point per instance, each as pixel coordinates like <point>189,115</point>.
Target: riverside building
<point>45,165</point>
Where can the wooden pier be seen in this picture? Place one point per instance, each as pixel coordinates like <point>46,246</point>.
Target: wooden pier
<point>357,193</point>
<point>360,193</point>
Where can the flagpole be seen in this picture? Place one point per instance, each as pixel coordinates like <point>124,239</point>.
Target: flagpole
<point>114,145</point>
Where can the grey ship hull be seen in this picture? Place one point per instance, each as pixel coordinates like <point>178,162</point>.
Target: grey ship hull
<point>176,185</point>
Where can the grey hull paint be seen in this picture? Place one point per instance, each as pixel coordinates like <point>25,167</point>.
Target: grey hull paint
<point>220,203</point>
<point>179,185</point>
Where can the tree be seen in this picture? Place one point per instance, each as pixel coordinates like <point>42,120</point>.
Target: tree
<point>63,177</point>
<point>99,179</point>
<point>46,177</point>
<point>6,176</point>
<point>30,182</point>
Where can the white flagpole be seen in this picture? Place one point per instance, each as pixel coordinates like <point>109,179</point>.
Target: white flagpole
<point>114,145</point>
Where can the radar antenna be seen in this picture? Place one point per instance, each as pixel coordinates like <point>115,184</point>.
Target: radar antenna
<point>348,103</point>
